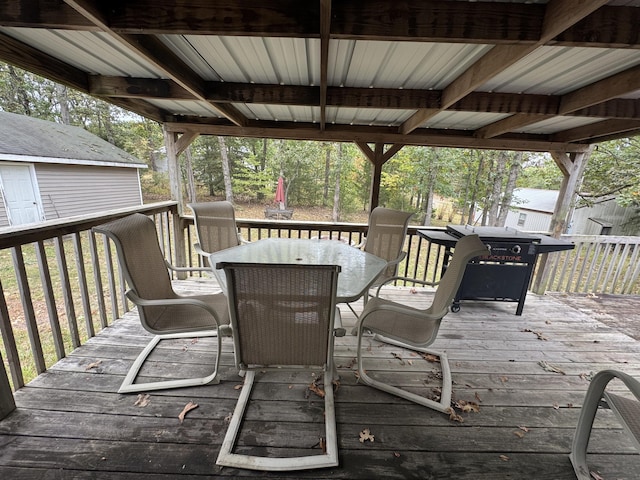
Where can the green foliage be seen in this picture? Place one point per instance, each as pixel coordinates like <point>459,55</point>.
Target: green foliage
<point>540,172</point>
<point>614,170</point>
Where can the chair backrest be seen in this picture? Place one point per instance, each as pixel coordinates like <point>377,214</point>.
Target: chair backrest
<point>281,314</point>
<point>141,260</point>
<point>466,248</point>
<point>386,235</point>
<point>215,225</point>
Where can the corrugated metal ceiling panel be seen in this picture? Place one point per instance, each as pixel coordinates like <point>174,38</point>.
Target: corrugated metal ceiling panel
<point>558,124</point>
<point>366,116</point>
<point>463,120</point>
<point>185,107</point>
<point>96,52</point>
<point>559,70</point>
<point>399,64</point>
<point>292,61</point>
<point>280,113</point>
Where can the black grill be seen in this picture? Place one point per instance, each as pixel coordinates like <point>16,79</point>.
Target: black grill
<point>505,273</point>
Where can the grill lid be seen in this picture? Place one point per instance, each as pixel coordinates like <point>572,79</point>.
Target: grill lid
<point>489,234</point>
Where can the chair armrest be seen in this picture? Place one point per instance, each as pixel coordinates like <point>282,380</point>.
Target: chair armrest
<point>405,279</point>
<point>198,248</point>
<point>173,301</point>
<point>186,269</point>
<point>338,329</point>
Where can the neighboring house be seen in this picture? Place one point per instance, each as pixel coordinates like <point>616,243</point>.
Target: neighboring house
<point>605,218</point>
<point>531,209</point>
<point>49,170</point>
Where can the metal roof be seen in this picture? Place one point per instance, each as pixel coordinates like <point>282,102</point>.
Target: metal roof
<point>525,75</point>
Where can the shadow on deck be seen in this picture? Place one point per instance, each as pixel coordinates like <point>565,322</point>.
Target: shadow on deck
<point>70,423</point>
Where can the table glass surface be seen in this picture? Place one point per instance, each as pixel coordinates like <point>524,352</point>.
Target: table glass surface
<point>358,269</point>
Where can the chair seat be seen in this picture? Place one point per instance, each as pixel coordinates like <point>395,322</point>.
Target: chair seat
<point>628,410</point>
<point>192,318</point>
<point>392,320</point>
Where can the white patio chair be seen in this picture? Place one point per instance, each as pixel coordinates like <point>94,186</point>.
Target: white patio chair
<point>386,234</point>
<point>627,411</point>
<point>283,318</point>
<point>414,328</point>
<point>216,227</point>
<point>162,311</point>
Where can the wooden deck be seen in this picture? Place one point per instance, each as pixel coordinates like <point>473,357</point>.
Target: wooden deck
<point>70,423</point>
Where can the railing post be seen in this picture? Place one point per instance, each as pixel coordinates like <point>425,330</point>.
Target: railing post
<point>179,236</point>
<point>7,402</point>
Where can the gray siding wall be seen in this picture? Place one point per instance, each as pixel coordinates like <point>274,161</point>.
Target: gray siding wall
<point>68,190</point>
<point>611,212</point>
<point>4,221</point>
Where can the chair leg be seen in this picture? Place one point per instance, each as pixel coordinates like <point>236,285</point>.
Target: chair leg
<point>329,459</point>
<point>578,455</point>
<point>443,405</point>
<point>128,385</point>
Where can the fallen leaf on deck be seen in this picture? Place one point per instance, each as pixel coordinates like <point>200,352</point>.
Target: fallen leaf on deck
<point>323,445</point>
<point>238,387</point>
<point>453,416</point>
<point>556,406</point>
<point>187,408</point>
<point>143,400</point>
<point>95,364</point>
<point>336,385</point>
<point>538,334</point>
<point>524,429</point>
<point>478,397</point>
<point>550,368</point>
<point>413,290</point>
<point>316,389</point>
<point>396,454</point>
<point>504,458</point>
<point>519,434</point>
<point>395,355</point>
<point>591,295</point>
<point>470,407</point>
<point>228,418</point>
<point>595,476</point>
<point>429,357</point>
<point>504,379</point>
<point>366,435</point>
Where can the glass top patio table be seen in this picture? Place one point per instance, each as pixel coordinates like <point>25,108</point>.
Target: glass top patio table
<point>359,269</point>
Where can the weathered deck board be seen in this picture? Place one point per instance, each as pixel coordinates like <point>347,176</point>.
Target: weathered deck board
<point>70,423</point>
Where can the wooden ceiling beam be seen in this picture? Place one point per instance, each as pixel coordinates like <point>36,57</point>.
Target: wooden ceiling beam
<point>609,88</point>
<point>411,20</point>
<point>594,130</point>
<point>385,98</point>
<point>385,135</point>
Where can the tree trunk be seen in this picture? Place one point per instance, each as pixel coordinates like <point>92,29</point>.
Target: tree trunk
<point>226,169</point>
<point>474,193</point>
<point>514,172</point>
<point>327,171</point>
<point>63,101</point>
<point>335,215</point>
<point>428,201</point>
<point>496,191</point>
<point>191,183</point>
<point>20,92</point>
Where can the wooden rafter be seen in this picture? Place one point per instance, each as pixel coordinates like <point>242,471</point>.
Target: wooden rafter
<point>559,15</point>
<point>154,52</point>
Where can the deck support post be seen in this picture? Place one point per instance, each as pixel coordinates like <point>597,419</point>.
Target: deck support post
<point>572,166</point>
<point>377,157</point>
<point>7,402</point>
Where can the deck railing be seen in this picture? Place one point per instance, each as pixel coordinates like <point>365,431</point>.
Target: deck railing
<point>60,283</point>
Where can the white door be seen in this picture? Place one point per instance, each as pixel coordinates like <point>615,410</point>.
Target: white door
<point>20,194</point>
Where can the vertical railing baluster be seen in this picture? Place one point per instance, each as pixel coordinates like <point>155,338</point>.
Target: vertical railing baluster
<point>97,279</point>
<point>49,297</point>
<point>66,292</point>
<point>111,278</point>
<point>82,283</point>
<point>9,340</point>
<point>27,306</point>
<point>7,402</point>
